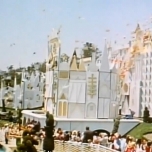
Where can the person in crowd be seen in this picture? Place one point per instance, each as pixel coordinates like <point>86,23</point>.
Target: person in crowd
<point>148,147</point>
<point>139,146</point>
<point>131,147</point>
<point>88,134</point>
<point>6,132</point>
<point>123,142</point>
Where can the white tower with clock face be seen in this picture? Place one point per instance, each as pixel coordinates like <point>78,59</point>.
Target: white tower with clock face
<point>53,50</point>
<point>52,65</point>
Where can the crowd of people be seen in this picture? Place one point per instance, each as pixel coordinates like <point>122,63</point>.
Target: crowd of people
<point>113,141</point>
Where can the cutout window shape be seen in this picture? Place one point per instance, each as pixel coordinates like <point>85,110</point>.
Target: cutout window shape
<point>62,108</point>
<point>91,108</point>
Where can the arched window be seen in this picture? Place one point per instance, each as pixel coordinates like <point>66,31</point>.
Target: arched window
<point>91,110</point>
<point>62,108</point>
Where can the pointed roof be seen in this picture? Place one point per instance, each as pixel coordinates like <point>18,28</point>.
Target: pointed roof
<point>81,66</point>
<point>74,53</point>
<point>105,67</point>
<point>73,64</point>
<point>62,97</point>
<point>114,70</point>
<point>137,28</point>
<point>92,66</point>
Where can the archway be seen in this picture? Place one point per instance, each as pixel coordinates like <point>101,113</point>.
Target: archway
<point>98,131</point>
<point>91,110</point>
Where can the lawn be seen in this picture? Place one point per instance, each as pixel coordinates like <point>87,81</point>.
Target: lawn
<point>3,122</point>
<point>140,130</point>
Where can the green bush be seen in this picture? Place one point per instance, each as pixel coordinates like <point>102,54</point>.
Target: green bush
<point>146,115</point>
<point>116,125</point>
<point>48,144</point>
<point>28,143</point>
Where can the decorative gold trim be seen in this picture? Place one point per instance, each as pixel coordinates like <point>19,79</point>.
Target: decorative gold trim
<point>63,97</point>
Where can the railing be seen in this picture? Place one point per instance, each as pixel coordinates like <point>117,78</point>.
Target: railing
<point>68,146</point>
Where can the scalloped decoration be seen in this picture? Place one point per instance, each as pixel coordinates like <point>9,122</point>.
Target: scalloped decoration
<point>147,91</point>
<point>143,105</point>
<point>147,83</point>
<point>143,90</point>
<point>144,83</point>
<point>143,98</point>
<point>144,68</point>
<point>148,61</point>
<point>148,68</point>
<point>147,99</point>
<point>149,53</point>
<point>145,61</point>
<point>148,76</point>
<point>147,104</point>
<point>151,60</point>
<point>144,76</point>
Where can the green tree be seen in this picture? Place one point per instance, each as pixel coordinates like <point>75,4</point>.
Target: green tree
<point>48,144</point>
<point>87,50</point>
<point>42,67</point>
<point>146,115</point>
<point>19,117</point>
<point>116,125</point>
<point>28,143</point>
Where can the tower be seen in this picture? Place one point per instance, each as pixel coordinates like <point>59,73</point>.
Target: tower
<point>52,68</point>
<point>104,86</point>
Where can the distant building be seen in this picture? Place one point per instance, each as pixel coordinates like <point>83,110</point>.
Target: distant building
<point>80,87</point>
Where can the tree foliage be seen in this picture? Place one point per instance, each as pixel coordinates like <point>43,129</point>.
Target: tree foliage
<point>19,117</point>
<point>11,73</point>
<point>88,49</point>
<point>48,144</point>
<point>28,143</point>
<point>146,115</point>
<point>116,125</point>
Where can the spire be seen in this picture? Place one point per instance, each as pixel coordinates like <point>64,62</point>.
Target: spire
<point>92,67</point>
<point>105,67</point>
<point>137,28</point>
<point>23,74</point>
<point>74,53</point>
<point>81,66</point>
<point>73,64</point>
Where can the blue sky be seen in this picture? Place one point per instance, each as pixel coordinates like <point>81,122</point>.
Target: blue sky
<point>27,23</point>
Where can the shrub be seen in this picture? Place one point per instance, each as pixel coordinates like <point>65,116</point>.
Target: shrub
<point>48,144</point>
<point>116,125</point>
<point>146,115</point>
<point>28,143</point>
